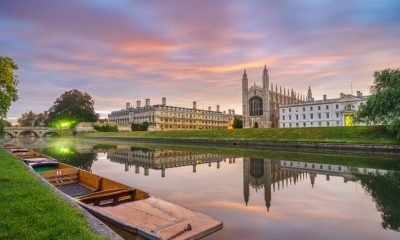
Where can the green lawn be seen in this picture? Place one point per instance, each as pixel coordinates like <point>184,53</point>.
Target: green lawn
<point>359,134</point>
<point>31,210</point>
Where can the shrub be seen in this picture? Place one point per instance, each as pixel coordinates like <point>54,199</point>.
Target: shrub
<point>1,128</point>
<point>140,127</point>
<point>106,128</point>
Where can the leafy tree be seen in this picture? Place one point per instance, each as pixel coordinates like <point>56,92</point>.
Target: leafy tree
<point>71,108</point>
<point>237,123</point>
<point>383,107</point>
<point>8,84</point>
<point>31,119</point>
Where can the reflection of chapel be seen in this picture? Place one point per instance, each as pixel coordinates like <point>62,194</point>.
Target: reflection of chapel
<point>261,103</point>
<point>267,174</point>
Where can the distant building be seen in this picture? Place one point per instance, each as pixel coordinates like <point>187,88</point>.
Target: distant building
<point>261,103</point>
<point>163,117</point>
<point>322,113</point>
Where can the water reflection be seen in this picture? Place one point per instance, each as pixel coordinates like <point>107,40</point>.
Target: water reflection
<point>254,196</point>
<point>159,159</point>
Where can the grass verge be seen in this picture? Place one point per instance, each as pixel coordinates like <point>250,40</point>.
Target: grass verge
<point>356,134</point>
<point>30,210</point>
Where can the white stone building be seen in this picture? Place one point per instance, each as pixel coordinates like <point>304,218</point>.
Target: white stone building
<point>163,117</point>
<point>322,113</point>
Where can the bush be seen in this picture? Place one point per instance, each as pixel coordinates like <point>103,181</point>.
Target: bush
<point>237,123</point>
<point>1,128</point>
<point>140,127</point>
<point>106,128</point>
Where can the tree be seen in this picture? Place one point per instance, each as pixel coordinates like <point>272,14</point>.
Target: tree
<point>237,123</point>
<point>71,108</point>
<point>383,107</point>
<point>8,84</point>
<point>31,119</point>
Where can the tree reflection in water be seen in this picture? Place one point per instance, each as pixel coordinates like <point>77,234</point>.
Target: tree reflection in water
<point>385,190</point>
<point>68,154</point>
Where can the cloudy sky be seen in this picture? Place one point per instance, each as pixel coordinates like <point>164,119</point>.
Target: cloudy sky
<point>125,50</point>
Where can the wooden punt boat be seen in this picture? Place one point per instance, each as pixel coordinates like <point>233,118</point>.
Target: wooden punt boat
<point>17,150</point>
<point>128,209</point>
<point>30,157</point>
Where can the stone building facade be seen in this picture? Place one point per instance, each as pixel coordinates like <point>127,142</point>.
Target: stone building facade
<point>261,103</point>
<point>164,117</point>
<point>322,113</point>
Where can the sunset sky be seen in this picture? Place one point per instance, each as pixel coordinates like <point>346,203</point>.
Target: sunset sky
<point>120,51</point>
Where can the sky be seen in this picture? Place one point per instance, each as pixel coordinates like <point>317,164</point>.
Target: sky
<point>124,50</point>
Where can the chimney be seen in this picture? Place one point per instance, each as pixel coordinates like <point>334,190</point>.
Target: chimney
<point>147,102</point>
<point>341,94</point>
<point>128,105</point>
<point>224,112</point>
<point>324,97</point>
<point>138,103</point>
<point>164,101</point>
<point>229,111</point>
<point>217,108</point>
<point>359,94</point>
<point>209,108</point>
<point>194,105</point>
<point>233,112</point>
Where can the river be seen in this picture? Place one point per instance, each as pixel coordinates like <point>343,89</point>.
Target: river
<point>258,194</point>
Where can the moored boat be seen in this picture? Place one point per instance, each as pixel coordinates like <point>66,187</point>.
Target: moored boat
<point>123,207</point>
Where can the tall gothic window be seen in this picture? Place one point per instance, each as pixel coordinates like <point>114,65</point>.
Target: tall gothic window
<point>256,106</point>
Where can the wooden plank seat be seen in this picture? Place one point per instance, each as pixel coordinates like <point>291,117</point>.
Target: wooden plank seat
<point>60,177</point>
<point>109,197</point>
<point>28,155</point>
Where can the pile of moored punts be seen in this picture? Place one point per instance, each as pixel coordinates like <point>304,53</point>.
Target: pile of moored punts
<point>129,210</point>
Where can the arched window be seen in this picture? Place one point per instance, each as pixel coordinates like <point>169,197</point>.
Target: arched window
<point>256,106</point>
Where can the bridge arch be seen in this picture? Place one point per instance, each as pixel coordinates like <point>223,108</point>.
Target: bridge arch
<point>7,133</point>
<point>51,133</point>
<point>26,132</point>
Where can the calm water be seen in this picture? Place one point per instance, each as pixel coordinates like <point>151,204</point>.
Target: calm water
<point>257,194</point>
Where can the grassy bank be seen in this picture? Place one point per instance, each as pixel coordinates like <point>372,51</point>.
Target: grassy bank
<point>359,134</point>
<point>31,210</point>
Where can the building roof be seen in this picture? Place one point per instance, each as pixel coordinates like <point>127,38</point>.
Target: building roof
<point>151,107</point>
<point>345,98</point>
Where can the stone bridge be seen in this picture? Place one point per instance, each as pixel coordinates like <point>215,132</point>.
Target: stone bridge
<point>32,131</point>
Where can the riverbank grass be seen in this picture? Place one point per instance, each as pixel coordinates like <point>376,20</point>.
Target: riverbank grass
<point>31,210</point>
<point>356,134</point>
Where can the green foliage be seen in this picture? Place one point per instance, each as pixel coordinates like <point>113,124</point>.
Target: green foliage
<point>30,118</point>
<point>8,84</point>
<point>384,106</point>
<point>1,128</point>
<point>140,127</point>
<point>385,190</point>
<point>31,210</point>
<point>237,123</point>
<point>106,128</point>
<point>355,134</point>
<point>71,108</point>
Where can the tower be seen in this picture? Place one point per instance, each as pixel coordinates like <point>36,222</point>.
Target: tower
<point>265,94</point>
<point>245,98</point>
<point>309,94</point>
